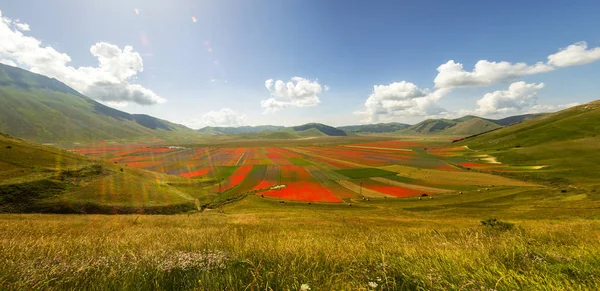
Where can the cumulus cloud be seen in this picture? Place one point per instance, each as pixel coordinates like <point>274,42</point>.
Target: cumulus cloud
<point>109,81</point>
<point>298,92</point>
<point>485,73</point>
<point>223,117</point>
<point>574,55</point>
<point>401,99</point>
<point>8,62</point>
<point>452,74</point>
<point>518,97</point>
<point>550,108</point>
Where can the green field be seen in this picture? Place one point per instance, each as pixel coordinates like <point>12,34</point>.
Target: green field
<point>365,173</point>
<point>259,244</point>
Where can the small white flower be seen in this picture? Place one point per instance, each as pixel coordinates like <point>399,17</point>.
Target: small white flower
<point>373,285</point>
<point>304,287</point>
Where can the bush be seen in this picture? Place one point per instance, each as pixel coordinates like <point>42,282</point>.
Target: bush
<point>497,224</point>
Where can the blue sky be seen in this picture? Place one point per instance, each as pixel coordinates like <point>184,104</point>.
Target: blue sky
<point>213,71</point>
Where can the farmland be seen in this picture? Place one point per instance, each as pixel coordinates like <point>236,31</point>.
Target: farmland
<point>328,173</point>
<point>333,213</point>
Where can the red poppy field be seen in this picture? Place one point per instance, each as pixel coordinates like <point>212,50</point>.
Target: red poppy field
<point>309,173</point>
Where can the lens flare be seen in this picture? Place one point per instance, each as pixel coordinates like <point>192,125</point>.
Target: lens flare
<point>194,19</point>
<point>137,11</point>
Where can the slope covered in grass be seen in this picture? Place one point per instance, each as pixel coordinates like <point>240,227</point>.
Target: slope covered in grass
<point>35,178</point>
<point>42,109</point>
<point>566,142</point>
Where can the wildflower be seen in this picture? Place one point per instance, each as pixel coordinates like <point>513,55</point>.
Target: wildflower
<point>373,285</point>
<point>304,287</point>
<point>378,279</point>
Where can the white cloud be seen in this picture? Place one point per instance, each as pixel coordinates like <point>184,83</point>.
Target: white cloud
<point>574,55</point>
<point>8,62</point>
<point>485,73</point>
<point>401,99</point>
<point>550,108</point>
<point>518,97</point>
<point>298,92</point>
<point>21,26</point>
<point>223,117</point>
<point>109,81</point>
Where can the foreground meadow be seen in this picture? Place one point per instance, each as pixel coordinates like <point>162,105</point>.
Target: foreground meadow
<point>259,244</point>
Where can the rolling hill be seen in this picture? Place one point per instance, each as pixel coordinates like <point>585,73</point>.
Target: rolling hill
<point>236,130</point>
<point>43,109</point>
<point>36,178</point>
<point>467,125</point>
<point>566,143</point>
<point>375,128</point>
<point>325,129</point>
<point>464,126</point>
<point>276,132</point>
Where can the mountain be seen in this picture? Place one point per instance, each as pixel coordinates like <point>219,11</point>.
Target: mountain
<point>240,129</point>
<point>36,178</point>
<point>472,126</point>
<point>277,132</point>
<point>516,119</point>
<point>567,142</point>
<point>375,128</point>
<point>43,109</point>
<point>467,125</point>
<point>325,129</point>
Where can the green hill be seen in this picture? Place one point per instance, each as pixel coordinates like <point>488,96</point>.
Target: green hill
<point>516,119</point>
<point>472,126</point>
<point>276,132</point>
<point>42,109</point>
<point>325,129</point>
<point>375,128</point>
<point>567,142</point>
<point>36,178</point>
<point>464,126</point>
<point>240,129</point>
<point>429,126</point>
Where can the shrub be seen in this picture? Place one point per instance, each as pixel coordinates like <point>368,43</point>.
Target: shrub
<point>497,224</point>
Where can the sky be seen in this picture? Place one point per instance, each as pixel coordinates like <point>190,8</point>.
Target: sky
<point>339,62</point>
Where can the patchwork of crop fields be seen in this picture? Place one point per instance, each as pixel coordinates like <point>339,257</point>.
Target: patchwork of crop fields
<point>319,173</point>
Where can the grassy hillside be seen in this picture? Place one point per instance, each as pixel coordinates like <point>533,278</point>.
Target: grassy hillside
<point>35,178</point>
<point>325,129</point>
<point>375,128</point>
<point>42,109</point>
<point>472,126</point>
<point>240,129</point>
<point>516,119</point>
<point>567,142</point>
<point>464,126</point>
<point>430,126</point>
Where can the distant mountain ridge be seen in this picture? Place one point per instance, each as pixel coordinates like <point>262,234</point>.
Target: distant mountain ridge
<point>279,132</point>
<point>375,128</point>
<point>239,129</point>
<point>43,109</point>
<point>466,125</point>
<point>463,126</point>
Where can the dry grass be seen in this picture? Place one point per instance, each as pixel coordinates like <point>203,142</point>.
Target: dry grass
<point>246,247</point>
